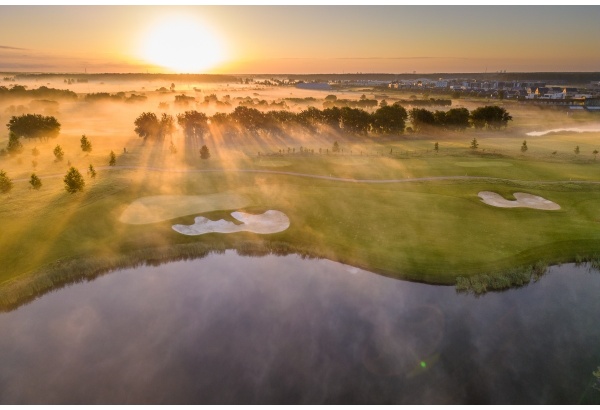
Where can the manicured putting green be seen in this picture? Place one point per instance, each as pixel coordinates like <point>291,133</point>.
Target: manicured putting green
<point>152,209</point>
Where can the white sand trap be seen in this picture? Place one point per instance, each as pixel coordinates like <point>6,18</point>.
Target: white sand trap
<point>523,201</point>
<point>269,222</point>
<point>150,209</point>
<point>478,164</point>
<point>556,130</point>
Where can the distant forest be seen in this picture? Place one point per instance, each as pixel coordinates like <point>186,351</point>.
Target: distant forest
<point>566,77</point>
<point>571,77</point>
<point>200,78</point>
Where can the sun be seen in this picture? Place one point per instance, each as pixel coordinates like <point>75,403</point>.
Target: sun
<point>182,45</point>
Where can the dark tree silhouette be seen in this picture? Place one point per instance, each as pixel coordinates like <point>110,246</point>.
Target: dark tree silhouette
<point>420,118</point>
<point>490,116</point>
<point>389,119</point>
<point>58,153</point>
<point>35,182</point>
<point>86,145</point>
<point>147,125</point>
<point>524,147</point>
<point>204,152</point>
<point>194,123</point>
<point>5,183</point>
<point>14,145</point>
<point>73,181</point>
<point>34,126</point>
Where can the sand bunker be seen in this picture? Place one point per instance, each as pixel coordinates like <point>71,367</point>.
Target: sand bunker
<point>477,164</point>
<point>523,201</point>
<point>269,222</point>
<point>557,130</point>
<point>152,209</point>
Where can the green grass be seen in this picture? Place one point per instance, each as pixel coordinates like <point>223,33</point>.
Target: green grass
<point>429,231</point>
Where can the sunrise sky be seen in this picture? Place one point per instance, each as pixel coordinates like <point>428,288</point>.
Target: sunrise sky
<point>299,39</point>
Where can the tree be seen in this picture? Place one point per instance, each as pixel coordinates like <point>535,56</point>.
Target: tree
<point>436,147</point>
<point>14,146</point>
<point>86,145</point>
<point>167,125</point>
<point>172,148</point>
<point>194,123</point>
<point>355,120</point>
<point>420,118</point>
<point>34,126</point>
<point>73,181</point>
<point>5,183</point>
<point>204,152</point>
<point>457,119</point>
<point>576,150</point>
<point>524,147</point>
<point>112,159</point>
<point>147,125</point>
<point>249,118</point>
<point>332,117</point>
<point>336,147</point>
<point>35,182</point>
<point>58,153</point>
<point>490,116</point>
<point>474,144</point>
<point>595,152</point>
<point>35,152</point>
<point>91,171</point>
<point>389,119</point>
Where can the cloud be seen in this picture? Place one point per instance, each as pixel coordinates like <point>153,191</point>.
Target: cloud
<point>11,48</point>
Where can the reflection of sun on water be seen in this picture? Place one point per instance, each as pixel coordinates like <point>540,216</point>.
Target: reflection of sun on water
<point>182,45</point>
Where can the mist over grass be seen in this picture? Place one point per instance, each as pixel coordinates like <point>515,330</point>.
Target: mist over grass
<point>430,230</point>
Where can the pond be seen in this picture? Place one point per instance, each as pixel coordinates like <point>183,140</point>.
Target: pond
<point>282,329</point>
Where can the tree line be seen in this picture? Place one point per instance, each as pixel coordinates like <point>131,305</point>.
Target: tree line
<point>39,93</point>
<point>386,120</point>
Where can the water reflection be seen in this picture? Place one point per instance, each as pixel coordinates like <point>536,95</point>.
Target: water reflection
<point>280,329</point>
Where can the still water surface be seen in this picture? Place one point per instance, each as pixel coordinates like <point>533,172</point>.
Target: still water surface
<point>280,329</point>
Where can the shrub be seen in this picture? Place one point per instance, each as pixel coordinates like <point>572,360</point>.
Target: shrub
<point>73,181</point>
<point>5,183</point>
<point>35,182</point>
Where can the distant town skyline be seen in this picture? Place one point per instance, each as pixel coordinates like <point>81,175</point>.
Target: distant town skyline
<point>299,39</point>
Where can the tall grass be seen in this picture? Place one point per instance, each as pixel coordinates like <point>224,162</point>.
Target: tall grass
<point>515,278</point>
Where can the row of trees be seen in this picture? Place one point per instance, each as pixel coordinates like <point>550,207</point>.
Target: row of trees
<point>389,119</point>
<point>118,97</point>
<point>491,117</point>
<point>21,91</point>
